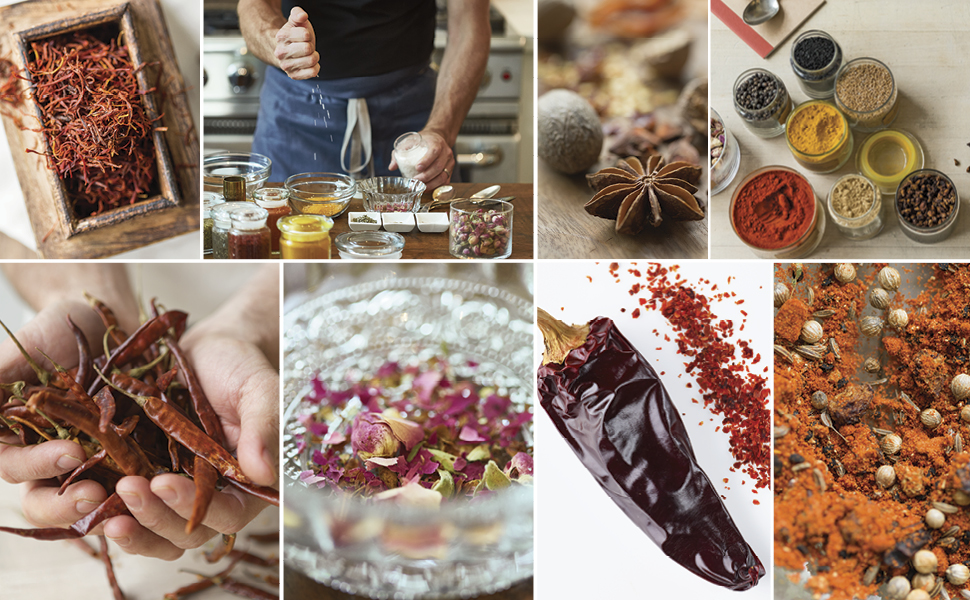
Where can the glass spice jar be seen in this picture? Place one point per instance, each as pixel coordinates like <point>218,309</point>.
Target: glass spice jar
<point>209,201</point>
<point>370,245</point>
<point>409,149</point>
<point>805,132</point>
<point>221,224</point>
<point>725,154</point>
<point>865,91</point>
<point>274,200</point>
<point>762,101</point>
<point>249,237</point>
<point>305,237</point>
<point>816,59</point>
<point>480,229</point>
<point>864,224</point>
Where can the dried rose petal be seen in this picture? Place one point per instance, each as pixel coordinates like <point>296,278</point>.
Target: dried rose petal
<point>470,435</point>
<point>494,478</point>
<point>412,494</point>
<point>408,432</point>
<point>521,464</point>
<point>371,436</point>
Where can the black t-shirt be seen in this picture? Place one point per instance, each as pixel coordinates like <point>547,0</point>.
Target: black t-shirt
<point>357,38</point>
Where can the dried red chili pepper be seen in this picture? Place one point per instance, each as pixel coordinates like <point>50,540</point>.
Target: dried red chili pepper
<point>244,590</point>
<point>137,343</point>
<point>112,580</point>
<point>112,507</point>
<point>611,407</point>
<point>84,372</point>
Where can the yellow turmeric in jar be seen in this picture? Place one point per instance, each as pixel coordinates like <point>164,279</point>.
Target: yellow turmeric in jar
<point>816,128</point>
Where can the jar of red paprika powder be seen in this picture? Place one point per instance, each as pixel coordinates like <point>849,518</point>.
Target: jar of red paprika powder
<point>777,214</point>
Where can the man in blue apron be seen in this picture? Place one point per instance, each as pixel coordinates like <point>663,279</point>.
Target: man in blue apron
<point>347,77</point>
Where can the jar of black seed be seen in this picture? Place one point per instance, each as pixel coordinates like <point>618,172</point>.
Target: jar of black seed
<point>762,102</point>
<point>816,59</point>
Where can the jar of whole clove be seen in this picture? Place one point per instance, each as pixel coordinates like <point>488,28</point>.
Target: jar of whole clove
<point>762,101</point>
<point>927,205</point>
<point>816,59</point>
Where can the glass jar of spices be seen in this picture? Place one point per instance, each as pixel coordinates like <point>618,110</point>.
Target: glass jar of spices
<point>865,91</point>
<point>855,206</point>
<point>725,154</point>
<point>480,229</point>
<point>249,237</point>
<point>762,101</point>
<point>816,59</point>
<point>274,200</point>
<point>927,206</point>
<point>221,224</point>
<point>209,201</point>
<point>819,136</point>
<point>305,237</point>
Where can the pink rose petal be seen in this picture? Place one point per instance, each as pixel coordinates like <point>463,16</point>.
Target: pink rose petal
<point>470,435</point>
<point>406,431</point>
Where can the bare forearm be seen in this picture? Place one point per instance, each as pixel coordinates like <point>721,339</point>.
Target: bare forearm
<point>259,21</point>
<point>469,36</point>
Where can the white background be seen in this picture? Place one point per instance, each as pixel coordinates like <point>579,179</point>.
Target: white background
<point>586,547</point>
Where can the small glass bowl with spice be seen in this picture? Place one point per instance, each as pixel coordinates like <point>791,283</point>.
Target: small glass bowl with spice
<point>927,205</point>
<point>305,237</point>
<point>274,200</point>
<point>819,136</point>
<point>370,245</point>
<point>725,154</point>
<point>391,194</point>
<point>776,213</point>
<point>762,101</point>
<point>209,201</point>
<point>249,237</point>
<point>865,91</point>
<point>255,168</point>
<point>327,194</point>
<point>816,59</point>
<point>221,224</point>
<point>855,206</point>
<point>887,156</point>
<point>480,229</point>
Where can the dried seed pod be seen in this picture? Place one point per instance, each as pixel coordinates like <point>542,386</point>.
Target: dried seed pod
<point>961,498</point>
<point>834,348</point>
<point>871,326</point>
<point>891,444</point>
<point>957,574</point>
<point>780,431</point>
<point>924,582</point>
<point>782,294</point>
<point>965,594</point>
<point>813,352</point>
<point>871,365</point>
<point>931,418</point>
<point>924,561</point>
<point>889,279</point>
<point>946,508</point>
<point>886,476</point>
<point>819,400</point>
<point>879,298</point>
<point>934,518</point>
<point>819,480</point>
<point>965,413</point>
<point>812,332</point>
<point>898,319</point>
<point>844,272</point>
<point>952,531</point>
<point>870,576</point>
<point>905,397</point>
<point>897,588</point>
<point>784,353</point>
<point>960,386</point>
<point>958,443</point>
<point>823,314</point>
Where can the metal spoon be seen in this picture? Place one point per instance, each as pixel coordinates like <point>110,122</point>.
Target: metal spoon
<point>759,11</point>
<point>435,204</point>
<point>488,192</point>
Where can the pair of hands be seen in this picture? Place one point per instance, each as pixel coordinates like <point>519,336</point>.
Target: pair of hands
<point>296,53</point>
<point>243,388</point>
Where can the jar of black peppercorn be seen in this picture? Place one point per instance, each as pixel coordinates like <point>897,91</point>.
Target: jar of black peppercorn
<point>762,101</point>
<point>816,59</point>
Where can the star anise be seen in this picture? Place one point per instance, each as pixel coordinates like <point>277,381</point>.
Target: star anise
<point>633,195</point>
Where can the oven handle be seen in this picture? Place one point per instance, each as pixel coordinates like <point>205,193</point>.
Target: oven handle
<point>485,158</point>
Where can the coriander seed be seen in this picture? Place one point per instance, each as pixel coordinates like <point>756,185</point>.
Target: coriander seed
<point>957,574</point>
<point>960,387</point>
<point>879,298</point>
<point>924,561</point>
<point>782,294</point>
<point>889,279</point>
<point>812,332</point>
<point>886,476</point>
<point>931,418</point>
<point>819,400</point>
<point>934,519</point>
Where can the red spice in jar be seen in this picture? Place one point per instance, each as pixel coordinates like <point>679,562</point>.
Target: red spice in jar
<point>774,209</point>
<point>249,244</point>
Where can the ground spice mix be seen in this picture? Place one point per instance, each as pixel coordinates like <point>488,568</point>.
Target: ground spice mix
<point>837,426</point>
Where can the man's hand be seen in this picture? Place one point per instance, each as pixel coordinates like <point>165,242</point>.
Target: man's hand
<point>296,46</point>
<point>438,165</point>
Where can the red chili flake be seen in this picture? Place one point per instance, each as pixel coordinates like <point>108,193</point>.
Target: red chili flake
<point>622,310</point>
<point>589,278</point>
<point>690,385</point>
<point>756,502</point>
<point>725,480</point>
<point>636,313</point>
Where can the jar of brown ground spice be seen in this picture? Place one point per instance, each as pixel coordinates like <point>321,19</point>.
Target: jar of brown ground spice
<point>856,207</point>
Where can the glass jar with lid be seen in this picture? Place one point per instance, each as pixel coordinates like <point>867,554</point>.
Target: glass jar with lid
<point>305,237</point>
<point>409,149</point>
<point>762,101</point>
<point>370,245</point>
<point>274,200</point>
<point>249,236</point>
<point>816,59</point>
<point>209,201</point>
<point>221,224</point>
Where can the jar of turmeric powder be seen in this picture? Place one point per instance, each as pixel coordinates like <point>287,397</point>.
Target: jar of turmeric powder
<point>819,136</point>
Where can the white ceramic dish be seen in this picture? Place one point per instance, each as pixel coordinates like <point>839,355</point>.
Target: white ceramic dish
<point>398,222</point>
<point>432,222</point>
<point>364,226</point>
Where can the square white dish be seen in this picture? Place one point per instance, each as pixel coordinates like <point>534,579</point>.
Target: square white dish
<point>398,222</point>
<point>364,226</point>
<point>432,222</point>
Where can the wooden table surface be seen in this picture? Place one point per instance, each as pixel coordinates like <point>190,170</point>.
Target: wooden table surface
<point>297,586</point>
<point>925,46</point>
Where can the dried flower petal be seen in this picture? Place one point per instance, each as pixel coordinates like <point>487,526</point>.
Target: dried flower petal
<point>412,494</point>
<point>445,485</point>
<point>494,478</point>
<point>408,432</point>
<point>521,464</point>
<point>468,434</point>
<point>371,436</point>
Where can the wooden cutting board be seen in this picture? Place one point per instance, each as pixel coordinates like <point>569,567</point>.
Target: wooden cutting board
<point>53,240</point>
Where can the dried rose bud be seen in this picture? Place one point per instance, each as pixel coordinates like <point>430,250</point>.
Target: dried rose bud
<point>372,437</point>
<point>521,464</point>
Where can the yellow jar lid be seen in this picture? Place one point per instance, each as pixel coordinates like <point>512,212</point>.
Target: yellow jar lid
<point>888,156</point>
<point>305,228</point>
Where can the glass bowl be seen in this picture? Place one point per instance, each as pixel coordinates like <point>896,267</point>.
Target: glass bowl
<point>327,194</point>
<point>391,194</point>
<point>370,245</point>
<point>865,226</point>
<point>462,549</point>
<point>255,168</point>
<point>725,166</point>
<point>929,235</point>
<point>480,229</point>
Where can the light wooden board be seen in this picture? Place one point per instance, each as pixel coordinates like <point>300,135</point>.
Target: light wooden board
<point>51,235</point>
<point>925,47</point>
